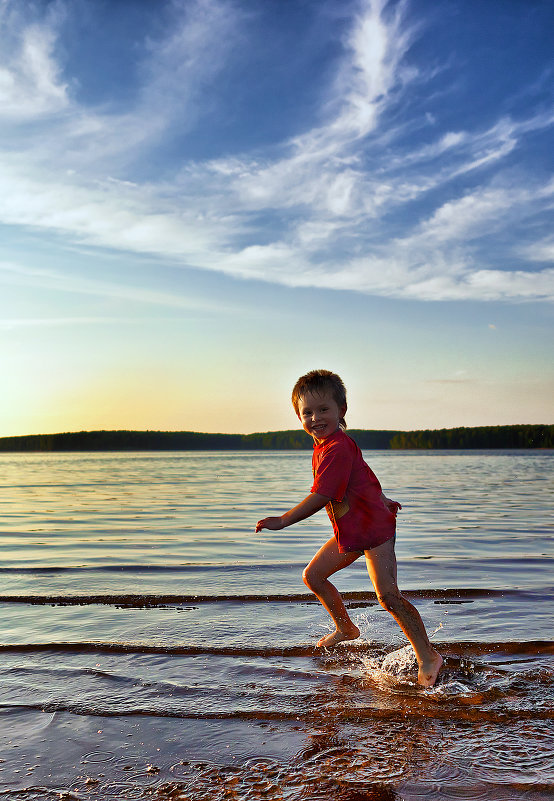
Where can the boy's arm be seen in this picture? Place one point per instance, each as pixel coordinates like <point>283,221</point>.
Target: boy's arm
<point>392,506</point>
<point>309,506</point>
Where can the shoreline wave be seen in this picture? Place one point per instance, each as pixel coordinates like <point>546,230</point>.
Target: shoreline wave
<point>347,715</point>
<point>449,649</point>
<point>452,595</point>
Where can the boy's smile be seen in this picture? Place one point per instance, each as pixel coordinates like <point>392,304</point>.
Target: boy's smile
<point>319,414</point>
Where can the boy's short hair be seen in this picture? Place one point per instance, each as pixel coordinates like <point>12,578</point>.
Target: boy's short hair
<point>319,382</point>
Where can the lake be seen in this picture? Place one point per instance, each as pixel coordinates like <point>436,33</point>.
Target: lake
<point>153,646</point>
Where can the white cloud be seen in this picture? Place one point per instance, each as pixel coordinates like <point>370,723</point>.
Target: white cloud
<point>175,71</point>
<point>431,263</point>
<point>326,194</point>
<point>109,215</point>
<point>467,151</point>
<point>53,322</point>
<point>180,65</point>
<point>30,78</point>
<point>510,284</point>
<point>543,250</point>
<point>12,273</point>
<point>470,216</point>
<point>373,71</point>
<point>320,168</point>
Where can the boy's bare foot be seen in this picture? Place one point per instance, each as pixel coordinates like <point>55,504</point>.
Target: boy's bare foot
<point>429,670</point>
<point>339,635</point>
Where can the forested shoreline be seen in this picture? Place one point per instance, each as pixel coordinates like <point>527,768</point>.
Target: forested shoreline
<point>481,437</point>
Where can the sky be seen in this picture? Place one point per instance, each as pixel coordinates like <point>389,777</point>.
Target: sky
<point>201,200</point>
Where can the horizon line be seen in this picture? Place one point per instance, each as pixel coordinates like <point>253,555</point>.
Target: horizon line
<point>255,433</point>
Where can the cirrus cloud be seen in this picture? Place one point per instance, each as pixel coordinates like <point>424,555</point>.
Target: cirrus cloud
<point>349,203</point>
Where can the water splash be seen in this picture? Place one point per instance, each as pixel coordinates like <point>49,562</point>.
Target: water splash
<point>400,663</point>
<point>395,670</point>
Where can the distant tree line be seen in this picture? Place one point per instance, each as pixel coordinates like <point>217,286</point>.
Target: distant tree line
<point>522,436</point>
<point>122,441</point>
<point>519,436</point>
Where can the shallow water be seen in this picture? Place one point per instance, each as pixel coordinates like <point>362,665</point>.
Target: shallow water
<point>154,647</point>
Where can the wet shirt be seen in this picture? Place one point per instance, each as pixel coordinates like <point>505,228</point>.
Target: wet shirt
<point>359,517</point>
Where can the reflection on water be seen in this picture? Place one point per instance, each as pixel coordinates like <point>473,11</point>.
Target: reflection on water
<point>153,647</point>
<point>170,509</point>
<point>397,760</point>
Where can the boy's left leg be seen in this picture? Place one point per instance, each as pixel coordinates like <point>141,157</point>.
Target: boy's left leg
<point>316,577</point>
<point>381,566</point>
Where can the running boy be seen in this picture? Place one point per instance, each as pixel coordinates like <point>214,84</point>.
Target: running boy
<point>363,519</point>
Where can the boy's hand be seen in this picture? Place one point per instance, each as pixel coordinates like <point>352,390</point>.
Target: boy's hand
<point>392,506</point>
<point>271,523</point>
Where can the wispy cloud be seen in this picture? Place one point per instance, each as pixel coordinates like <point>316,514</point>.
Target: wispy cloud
<point>53,322</point>
<point>370,72</point>
<point>542,250</point>
<point>31,85</point>
<point>334,206</point>
<point>15,274</point>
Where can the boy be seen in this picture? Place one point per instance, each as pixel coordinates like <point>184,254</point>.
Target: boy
<point>363,520</point>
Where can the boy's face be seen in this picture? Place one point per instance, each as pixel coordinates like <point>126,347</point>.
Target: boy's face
<point>319,414</point>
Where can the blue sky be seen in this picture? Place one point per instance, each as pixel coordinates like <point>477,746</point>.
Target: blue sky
<point>202,199</point>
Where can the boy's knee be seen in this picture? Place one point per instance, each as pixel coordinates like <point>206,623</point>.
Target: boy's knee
<point>307,578</point>
<point>389,600</point>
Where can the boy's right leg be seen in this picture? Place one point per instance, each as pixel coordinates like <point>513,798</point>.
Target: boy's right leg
<point>381,566</point>
<point>326,562</point>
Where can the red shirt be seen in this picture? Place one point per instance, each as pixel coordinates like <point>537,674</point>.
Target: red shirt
<point>359,517</point>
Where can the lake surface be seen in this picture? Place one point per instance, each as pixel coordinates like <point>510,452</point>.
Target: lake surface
<point>153,646</point>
